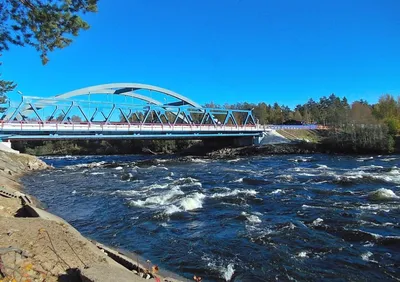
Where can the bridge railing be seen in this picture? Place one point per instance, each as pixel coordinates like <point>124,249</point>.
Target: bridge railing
<point>120,127</point>
<point>291,127</point>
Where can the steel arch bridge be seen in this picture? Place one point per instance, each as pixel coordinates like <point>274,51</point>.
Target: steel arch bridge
<point>103,112</point>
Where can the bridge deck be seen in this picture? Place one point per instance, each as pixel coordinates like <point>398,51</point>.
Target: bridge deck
<point>20,131</point>
<point>57,130</point>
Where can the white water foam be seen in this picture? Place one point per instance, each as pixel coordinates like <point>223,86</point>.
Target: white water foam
<point>127,193</point>
<point>240,180</point>
<point>307,174</point>
<point>188,203</point>
<point>156,167</point>
<point>320,182</point>
<point>364,159</point>
<point>226,271</point>
<point>162,167</point>
<point>247,171</point>
<point>287,177</point>
<point>322,166</point>
<point>363,222</point>
<point>393,176</point>
<point>382,194</point>
<point>251,217</point>
<point>376,207</point>
<point>172,209</point>
<point>278,191</point>
<point>301,159</point>
<point>314,207</point>
<point>193,202</point>
<point>234,193</point>
<point>187,182</point>
<point>302,254</point>
<point>201,161</point>
<point>47,181</point>
<point>366,256</point>
<point>97,173</point>
<point>317,222</point>
<point>87,165</point>
<point>369,167</point>
<point>141,190</point>
<point>234,160</point>
<point>155,186</point>
<point>58,157</point>
<point>163,199</point>
<point>394,171</point>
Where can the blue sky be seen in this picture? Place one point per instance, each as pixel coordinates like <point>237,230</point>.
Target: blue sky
<point>227,51</point>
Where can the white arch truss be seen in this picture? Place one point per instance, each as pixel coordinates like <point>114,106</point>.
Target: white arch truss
<point>128,89</point>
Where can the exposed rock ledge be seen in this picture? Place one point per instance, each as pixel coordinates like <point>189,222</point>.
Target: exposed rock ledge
<point>276,149</point>
<point>38,246</point>
<point>13,166</point>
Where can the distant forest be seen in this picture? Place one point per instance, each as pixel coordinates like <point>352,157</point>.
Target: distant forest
<point>330,111</point>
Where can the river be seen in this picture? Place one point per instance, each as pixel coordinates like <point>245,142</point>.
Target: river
<point>262,218</point>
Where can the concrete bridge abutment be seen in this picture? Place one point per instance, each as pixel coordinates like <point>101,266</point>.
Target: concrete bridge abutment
<point>6,146</point>
<point>223,142</point>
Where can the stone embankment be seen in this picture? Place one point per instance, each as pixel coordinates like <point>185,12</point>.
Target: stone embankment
<point>38,246</point>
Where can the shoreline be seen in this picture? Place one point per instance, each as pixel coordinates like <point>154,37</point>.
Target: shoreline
<point>227,151</point>
<point>36,245</point>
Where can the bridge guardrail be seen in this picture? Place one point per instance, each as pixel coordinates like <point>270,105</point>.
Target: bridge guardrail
<point>40,126</point>
<point>293,127</point>
<point>150,126</point>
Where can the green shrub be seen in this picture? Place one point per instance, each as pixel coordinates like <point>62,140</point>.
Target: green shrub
<point>393,125</point>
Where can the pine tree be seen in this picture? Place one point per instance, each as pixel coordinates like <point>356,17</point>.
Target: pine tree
<point>43,24</point>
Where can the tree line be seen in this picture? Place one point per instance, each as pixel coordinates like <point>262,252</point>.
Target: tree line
<point>329,111</point>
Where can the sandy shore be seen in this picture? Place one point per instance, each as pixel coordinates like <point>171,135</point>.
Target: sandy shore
<point>38,246</point>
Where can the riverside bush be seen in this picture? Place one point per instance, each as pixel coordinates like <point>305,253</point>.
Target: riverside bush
<point>393,125</point>
<point>359,138</point>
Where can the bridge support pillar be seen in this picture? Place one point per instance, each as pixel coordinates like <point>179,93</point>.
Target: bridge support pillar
<point>244,141</point>
<point>257,141</point>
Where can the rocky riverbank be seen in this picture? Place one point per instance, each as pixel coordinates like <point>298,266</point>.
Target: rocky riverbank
<point>13,166</point>
<point>38,246</point>
<point>294,148</point>
<point>276,149</point>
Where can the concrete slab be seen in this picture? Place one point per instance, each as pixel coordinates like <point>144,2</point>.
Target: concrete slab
<point>36,212</point>
<point>6,146</point>
<point>106,273</point>
<point>271,137</point>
